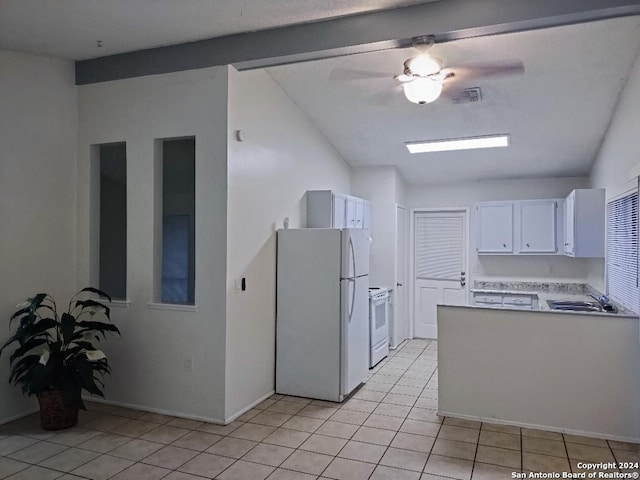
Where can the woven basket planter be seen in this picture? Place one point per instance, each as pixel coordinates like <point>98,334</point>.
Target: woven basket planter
<point>55,412</point>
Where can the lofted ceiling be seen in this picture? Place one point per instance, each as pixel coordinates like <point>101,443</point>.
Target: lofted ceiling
<point>556,113</point>
<point>71,28</point>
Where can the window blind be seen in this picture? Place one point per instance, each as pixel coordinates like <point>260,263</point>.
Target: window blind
<point>622,251</point>
<point>438,247</point>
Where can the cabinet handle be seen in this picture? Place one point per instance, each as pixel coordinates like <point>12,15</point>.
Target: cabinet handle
<point>528,245</point>
<point>504,245</point>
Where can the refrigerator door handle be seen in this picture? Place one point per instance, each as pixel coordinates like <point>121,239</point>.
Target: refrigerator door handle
<point>353,297</point>
<point>353,257</point>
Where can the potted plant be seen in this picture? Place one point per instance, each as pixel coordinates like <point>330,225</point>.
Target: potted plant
<point>55,358</point>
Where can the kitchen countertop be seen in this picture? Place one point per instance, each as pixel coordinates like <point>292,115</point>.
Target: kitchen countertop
<point>577,292</point>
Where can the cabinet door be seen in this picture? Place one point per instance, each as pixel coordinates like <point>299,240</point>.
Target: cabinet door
<point>351,212</point>
<point>366,215</point>
<point>537,226</point>
<point>495,227</point>
<point>359,213</point>
<point>339,211</point>
<point>569,224</point>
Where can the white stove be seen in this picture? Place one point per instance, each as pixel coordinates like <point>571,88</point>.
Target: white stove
<point>379,299</point>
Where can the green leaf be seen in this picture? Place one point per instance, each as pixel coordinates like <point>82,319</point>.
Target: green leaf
<point>40,377</point>
<point>24,348</point>
<point>30,330</point>
<point>68,323</point>
<point>37,300</point>
<point>87,326</point>
<point>85,371</point>
<point>41,326</point>
<point>100,293</point>
<point>20,312</point>
<point>21,368</point>
<point>95,304</point>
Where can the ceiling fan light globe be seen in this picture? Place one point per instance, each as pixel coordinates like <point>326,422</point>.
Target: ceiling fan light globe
<point>422,90</point>
<point>423,65</point>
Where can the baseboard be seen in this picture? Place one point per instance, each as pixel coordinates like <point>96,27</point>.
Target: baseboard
<point>245,410</point>
<point>18,416</point>
<point>569,431</point>
<point>161,411</point>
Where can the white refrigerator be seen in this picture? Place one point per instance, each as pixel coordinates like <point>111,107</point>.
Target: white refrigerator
<point>322,326</point>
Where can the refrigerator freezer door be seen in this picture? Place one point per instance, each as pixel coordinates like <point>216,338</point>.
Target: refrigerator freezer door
<point>355,333</point>
<point>356,247</point>
<point>308,322</point>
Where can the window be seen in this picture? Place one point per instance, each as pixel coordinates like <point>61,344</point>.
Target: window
<point>112,268</point>
<point>622,251</point>
<point>177,230</point>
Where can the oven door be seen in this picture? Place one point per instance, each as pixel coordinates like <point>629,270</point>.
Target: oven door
<point>379,320</point>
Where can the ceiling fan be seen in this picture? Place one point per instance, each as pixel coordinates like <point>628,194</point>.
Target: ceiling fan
<point>424,76</point>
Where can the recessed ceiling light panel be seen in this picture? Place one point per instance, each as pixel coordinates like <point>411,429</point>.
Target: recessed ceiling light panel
<point>489,141</point>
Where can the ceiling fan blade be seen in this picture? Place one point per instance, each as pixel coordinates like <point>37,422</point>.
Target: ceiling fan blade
<point>338,74</point>
<point>471,71</point>
<point>384,97</point>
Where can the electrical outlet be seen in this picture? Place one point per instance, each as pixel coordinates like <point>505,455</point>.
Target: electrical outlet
<point>187,363</point>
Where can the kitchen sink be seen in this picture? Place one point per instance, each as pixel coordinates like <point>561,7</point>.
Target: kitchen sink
<point>572,306</point>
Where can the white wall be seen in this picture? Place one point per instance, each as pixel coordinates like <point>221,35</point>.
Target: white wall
<point>619,153</point>
<point>525,267</point>
<point>378,185</point>
<point>283,156</point>
<point>401,189</point>
<point>37,184</point>
<point>575,373</point>
<point>384,188</point>
<point>147,361</point>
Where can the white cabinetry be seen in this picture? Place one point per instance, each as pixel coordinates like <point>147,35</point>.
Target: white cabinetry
<point>339,205</point>
<point>495,227</point>
<point>537,226</point>
<point>524,227</point>
<point>584,226</point>
<point>519,301</point>
<point>327,209</point>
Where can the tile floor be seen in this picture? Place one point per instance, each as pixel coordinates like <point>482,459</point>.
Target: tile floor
<point>389,430</point>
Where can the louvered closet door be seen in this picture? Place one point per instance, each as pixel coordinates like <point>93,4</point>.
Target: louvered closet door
<point>440,266</point>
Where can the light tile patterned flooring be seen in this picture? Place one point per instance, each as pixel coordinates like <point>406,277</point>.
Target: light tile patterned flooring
<point>389,430</point>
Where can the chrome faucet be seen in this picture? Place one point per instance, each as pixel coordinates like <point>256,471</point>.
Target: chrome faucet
<point>600,300</point>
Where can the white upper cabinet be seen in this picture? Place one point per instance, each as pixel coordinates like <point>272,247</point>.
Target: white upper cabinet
<point>351,211</point>
<point>327,209</point>
<point>339,210</point>
<point>584,227</point>
<point>569,220</point>
<point>536,229</point>
<point>525,227</point>
<point>494,227</point>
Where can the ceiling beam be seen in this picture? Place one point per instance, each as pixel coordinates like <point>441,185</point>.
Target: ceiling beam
<point>445,19</point>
